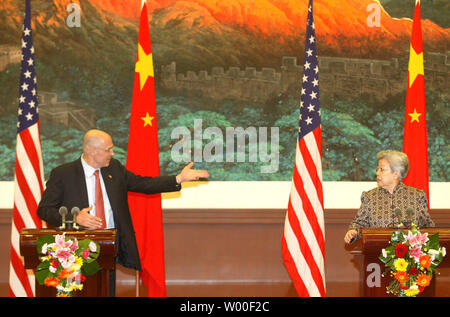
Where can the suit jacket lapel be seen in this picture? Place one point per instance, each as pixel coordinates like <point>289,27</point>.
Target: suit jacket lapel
<point>108,180</point>
<point>81,178</point>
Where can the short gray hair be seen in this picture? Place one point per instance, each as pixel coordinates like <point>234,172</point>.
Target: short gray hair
<point>398,161</point>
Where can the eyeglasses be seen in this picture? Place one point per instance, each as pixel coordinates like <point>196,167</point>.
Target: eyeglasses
<point>382,170</point>
<point>108,150</point>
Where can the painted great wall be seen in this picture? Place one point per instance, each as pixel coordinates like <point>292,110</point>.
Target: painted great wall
<point>339,77</point>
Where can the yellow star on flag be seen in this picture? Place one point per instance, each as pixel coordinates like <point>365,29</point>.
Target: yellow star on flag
<point>414,115</point>
<point>144,66</point>
<point>147,120</point>
<point>415,65</point>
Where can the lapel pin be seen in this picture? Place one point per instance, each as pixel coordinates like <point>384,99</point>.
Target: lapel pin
<point>110,176</point>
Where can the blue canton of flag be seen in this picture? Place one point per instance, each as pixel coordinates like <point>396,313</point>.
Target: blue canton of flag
<point>28,100</point>
<point>309,101</point>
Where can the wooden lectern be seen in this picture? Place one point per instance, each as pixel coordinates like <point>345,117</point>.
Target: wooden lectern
<point>374,240</point>
<point>95,285</point>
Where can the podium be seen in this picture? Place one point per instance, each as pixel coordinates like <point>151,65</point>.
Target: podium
<point>374,240</point>
<point>96,285</point>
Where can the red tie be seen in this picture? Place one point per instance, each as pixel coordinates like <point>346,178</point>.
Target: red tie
<point>99,207</point>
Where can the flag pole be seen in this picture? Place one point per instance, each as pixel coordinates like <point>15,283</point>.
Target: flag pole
<point>138,284</point>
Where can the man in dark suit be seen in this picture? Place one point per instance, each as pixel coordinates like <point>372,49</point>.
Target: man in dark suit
<point>73,185</point>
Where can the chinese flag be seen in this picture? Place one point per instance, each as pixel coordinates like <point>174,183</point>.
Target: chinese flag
<point>143,159</point>
<point>415,133</point>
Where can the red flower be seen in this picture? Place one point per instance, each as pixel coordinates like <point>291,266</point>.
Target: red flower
<point>425,261</point>
<point>400,250</point>
<point>402,277</point>
<point>55,263</point>
<point>413,271</point>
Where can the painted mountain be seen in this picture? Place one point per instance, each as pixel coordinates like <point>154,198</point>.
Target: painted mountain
<point>93,66</point>
<point>236,32</point>
<point>202,33</point>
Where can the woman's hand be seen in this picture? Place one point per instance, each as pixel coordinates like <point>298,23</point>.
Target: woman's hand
<point>350,235</point>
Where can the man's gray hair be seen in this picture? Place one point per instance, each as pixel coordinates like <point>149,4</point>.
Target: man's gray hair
<point>398,161</point>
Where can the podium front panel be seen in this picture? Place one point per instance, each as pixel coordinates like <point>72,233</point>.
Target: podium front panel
<point>95,285</point>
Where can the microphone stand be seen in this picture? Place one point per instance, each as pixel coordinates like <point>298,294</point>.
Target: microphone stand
<point>75,211</point>
<point>63,212</point>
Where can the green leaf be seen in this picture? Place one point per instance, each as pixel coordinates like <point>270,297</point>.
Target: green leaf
<point>43,240</point>
<point>383,259</point>
<point>42,272</point>
<point>83,245</point>
<point>390,250</point>
<point>397,236</point>
<point>433,242</point>
<point>90,268</point>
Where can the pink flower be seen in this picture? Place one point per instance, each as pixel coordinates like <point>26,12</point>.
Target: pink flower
<point>416,239</point>
<point>62,254</point>
<point>422,238</point>
<point>60,239</point>
<point>74,246</point>
<point>415,252</point>
<point>65,264</point>
<point>85,254</point>
<point>92,246</point>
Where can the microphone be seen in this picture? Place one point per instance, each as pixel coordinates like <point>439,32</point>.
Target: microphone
<point>75,211</point>
<point>410,214</point>
<point>63,212</point>
<point>398,215</point>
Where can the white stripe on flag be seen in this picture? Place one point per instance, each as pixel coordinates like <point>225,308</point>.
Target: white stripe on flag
<point>28,170</point>
<point>309,186</point>
<point>299,260</point>
<point>15,239</point>
<point>22,208</point>
<point>306,229</point>
<point>311,144</point>
<point>15,284</point>
<point>34,132</point>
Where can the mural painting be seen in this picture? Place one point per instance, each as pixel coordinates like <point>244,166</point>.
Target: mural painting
<point>228,77</point>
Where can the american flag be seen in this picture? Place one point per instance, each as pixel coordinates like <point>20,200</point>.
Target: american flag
<point>28,178</point>
<point>303,241</point>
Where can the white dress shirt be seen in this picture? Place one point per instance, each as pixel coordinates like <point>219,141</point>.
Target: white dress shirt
<point>90,186</point>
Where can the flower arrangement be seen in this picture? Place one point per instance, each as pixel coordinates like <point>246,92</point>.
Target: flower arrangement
<point>65,262</point>
<point>412,259</point>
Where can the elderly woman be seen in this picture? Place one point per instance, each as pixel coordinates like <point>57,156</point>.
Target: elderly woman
<point>379,204</point>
